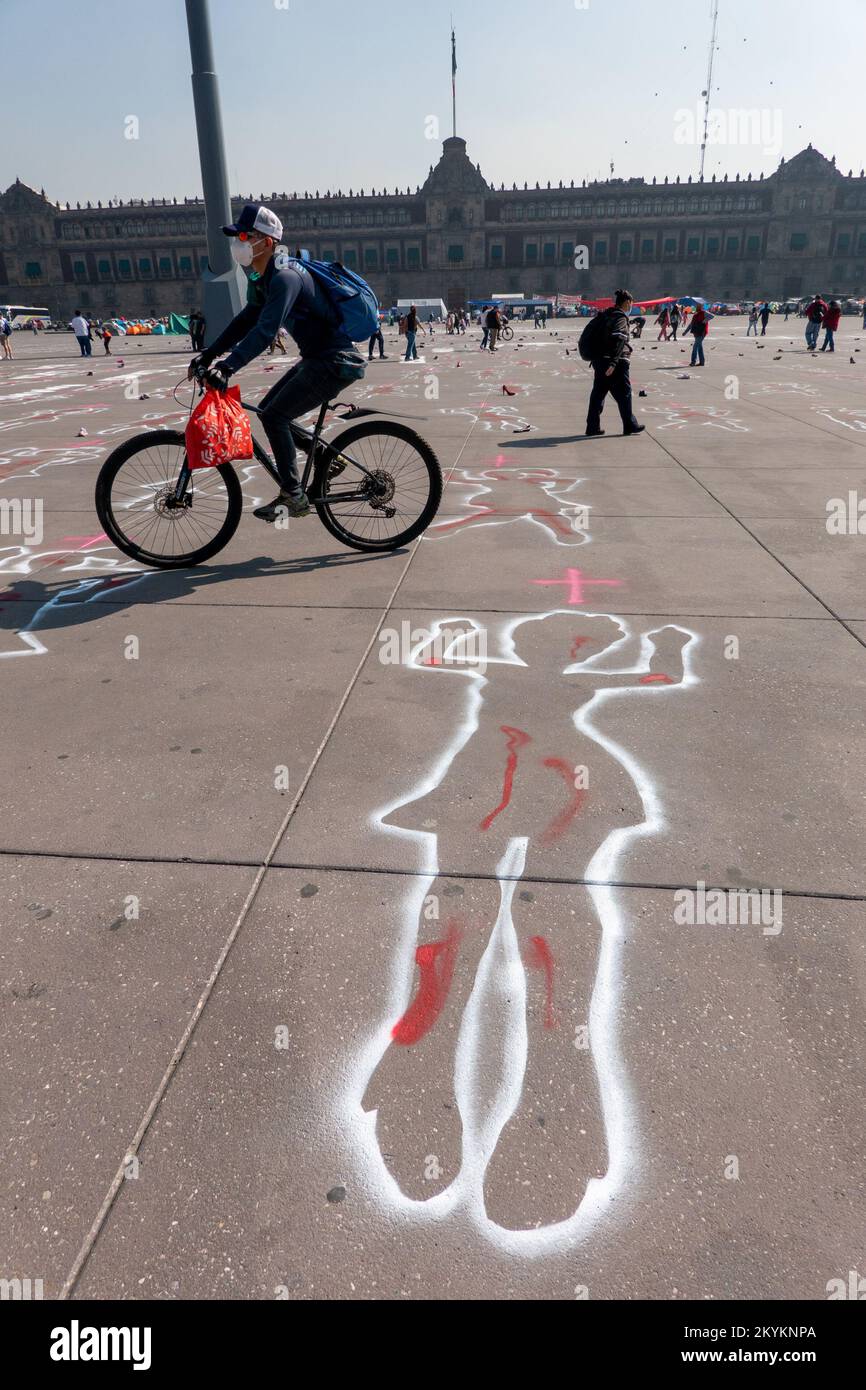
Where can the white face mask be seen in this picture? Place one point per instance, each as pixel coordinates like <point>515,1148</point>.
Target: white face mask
<point>243,252</point>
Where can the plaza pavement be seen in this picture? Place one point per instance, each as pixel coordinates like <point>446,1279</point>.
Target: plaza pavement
<point>200,970</point>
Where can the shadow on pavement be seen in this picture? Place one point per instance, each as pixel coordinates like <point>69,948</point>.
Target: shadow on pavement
<point>61,603</point>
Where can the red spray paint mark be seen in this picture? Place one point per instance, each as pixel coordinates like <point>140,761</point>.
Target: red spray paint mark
<point>576,646</point>
<point>516,739</point>
<point>656,680</point>
<point>575,583</point>
<point>539,957</point>
<point>435,963</point>
<point>67,545</point>
<point>561,822</point>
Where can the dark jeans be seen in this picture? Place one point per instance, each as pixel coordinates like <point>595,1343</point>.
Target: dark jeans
<point>377,338</point>
<point>309,383</point>
<point>619,386</point>
<point>85,345</point>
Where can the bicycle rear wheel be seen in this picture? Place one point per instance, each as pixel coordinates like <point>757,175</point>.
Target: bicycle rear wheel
<point>135,503</point>
<point>393,501</point>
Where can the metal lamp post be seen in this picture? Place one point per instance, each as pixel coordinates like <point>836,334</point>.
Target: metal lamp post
<point>223,283</point>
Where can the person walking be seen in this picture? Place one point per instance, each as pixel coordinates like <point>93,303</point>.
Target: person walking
<point>485,334</point>
<point>765,318</point>
<point>830,323</point>
<point>815,312</point>
<point>674,320</point>
<point>106,339</point>
<point>753,321</point>
<point>663,322</point>
<point>494,324</point>
<point>81,328</point>
<point>412,328</point>
<point>699,328</point>
<point>6,337</point>
<point>378,337</point>
<point>610,367</point>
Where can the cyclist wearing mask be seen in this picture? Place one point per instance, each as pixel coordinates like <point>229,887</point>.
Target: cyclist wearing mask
<point>282,294</point>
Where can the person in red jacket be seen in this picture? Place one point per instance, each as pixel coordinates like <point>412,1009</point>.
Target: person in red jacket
<point>829,323</point>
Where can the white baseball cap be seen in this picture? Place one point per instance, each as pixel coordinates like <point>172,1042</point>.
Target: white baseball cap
<point>255,218</point>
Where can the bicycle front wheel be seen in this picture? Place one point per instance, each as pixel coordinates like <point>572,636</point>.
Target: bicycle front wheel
<point>135,503</point>
<point>390,499</point>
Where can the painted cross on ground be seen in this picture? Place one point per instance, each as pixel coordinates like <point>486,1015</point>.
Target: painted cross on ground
<point>575,582</point>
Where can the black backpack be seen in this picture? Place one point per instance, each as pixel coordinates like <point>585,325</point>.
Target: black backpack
<point>593,339</point>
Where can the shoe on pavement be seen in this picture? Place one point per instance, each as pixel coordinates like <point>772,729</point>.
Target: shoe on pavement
<point>295,506</point>
<point>638,429</point>
<point>593,434</point>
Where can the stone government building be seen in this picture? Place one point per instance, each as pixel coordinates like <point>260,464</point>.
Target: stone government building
<point>801,229</point>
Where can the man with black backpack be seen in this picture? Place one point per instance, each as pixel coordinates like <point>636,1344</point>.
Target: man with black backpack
<point>605,344</point>
<point>284,292</point>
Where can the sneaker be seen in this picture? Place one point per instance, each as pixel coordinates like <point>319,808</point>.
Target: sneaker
<point>295,506</point>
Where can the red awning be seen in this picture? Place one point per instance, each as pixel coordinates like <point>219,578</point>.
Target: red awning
<point>638,303</point>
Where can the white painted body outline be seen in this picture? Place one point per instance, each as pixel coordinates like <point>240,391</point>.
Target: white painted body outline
<point>552,487</point>
<point>466,1191</point>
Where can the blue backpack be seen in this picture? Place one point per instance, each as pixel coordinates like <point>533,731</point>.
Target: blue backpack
<point>354,301</point>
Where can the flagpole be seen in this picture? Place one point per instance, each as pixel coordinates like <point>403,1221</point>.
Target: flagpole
<point>453,78</point>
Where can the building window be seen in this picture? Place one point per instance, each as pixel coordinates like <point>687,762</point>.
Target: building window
<point>497,255</point>
<point>625,250</point>
<point>371,258</point>
<point>693,246</point>
<point>732,245</point>
<point>647,246</point>
<point>532,253</point>
<point>712,246</point>
<point>753,245</point>
<point>104,268</point>
<point>861,242</point>
<point>329,254</point>
<point>350,258</point>
<point>392,256</point>
<point>549,252</point>
<point>670,246</point>
<point>165,267</point>
<point>124,268</point>
<point>843,243</point>
<point>413,257</point>
<point>145,268</point>
<point>568,251</point>
<point>455,252</point>
<point>601,250</point>
<point>33,270</point>
<point>80,270</point>
<point>185,263</point>
<point>798,241</point>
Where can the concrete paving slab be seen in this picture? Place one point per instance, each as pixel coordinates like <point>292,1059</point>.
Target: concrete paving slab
<point>718,805</point>
<point>102,964</point>
<point>184,743</point>
<point>282,1181</point>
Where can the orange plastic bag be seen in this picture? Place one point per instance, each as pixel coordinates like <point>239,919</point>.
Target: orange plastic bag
<point>218,430</point>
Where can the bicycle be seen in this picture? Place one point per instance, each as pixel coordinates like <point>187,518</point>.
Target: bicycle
<point>147,493</point>
<point>506,333</point>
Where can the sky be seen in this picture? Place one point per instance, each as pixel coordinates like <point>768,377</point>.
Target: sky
<point>327,94</point>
